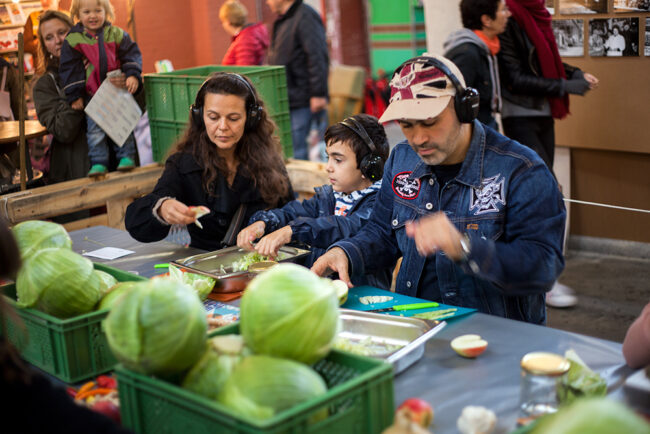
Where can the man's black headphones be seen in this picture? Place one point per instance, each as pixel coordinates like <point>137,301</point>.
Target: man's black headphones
<point>371,165</point>
<point>253,110</point>
<point>466,99</point>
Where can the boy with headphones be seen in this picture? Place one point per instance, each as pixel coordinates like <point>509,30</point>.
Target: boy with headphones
<point>357,149</point>
<point>477,218</point>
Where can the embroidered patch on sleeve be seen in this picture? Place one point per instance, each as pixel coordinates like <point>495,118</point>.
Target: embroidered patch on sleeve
<point>489,196</point>
<point>404,187</point>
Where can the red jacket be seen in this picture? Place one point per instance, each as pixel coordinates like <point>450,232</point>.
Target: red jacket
<point>248,47</point>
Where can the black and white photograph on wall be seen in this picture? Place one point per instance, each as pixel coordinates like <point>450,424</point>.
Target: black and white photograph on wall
<point>614,37</point>
<point>647,37</point>
<point>631,5</point>
<point>550,6</point>
<point>568,7</point>
<point>569,35</point>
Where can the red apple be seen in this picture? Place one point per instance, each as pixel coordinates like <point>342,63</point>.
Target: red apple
<point>107,408</point>
<point>469,346</point>
<point>419,411</point>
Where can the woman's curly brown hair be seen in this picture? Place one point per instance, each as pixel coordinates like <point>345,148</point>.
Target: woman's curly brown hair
<point>258,151</point>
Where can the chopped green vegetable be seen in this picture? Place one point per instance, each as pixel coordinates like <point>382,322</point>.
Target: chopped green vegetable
<point>579,381</point>
<point>203,285</point>
<point>437,314</point>
<point>365,347</point>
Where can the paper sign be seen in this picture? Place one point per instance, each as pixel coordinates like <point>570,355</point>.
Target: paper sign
<point>109,253</point>
<point>115,111</point>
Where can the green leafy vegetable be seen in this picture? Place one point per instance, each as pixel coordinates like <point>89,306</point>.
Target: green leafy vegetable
<point>107,281</point>
<point>160,328</point>
<point>209,374</point>
<point>290,312</point>
<point>34,235</point>
<point>580,381</point>
<point>203,285</point>
<point>437,314</point>
<point>365,347</point>
<point>261,386</point>
<point>592,416</point>
<point>59,282</point>
<point>114,294</point>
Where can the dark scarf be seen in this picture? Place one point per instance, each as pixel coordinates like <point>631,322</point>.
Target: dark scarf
<point>533,17</point>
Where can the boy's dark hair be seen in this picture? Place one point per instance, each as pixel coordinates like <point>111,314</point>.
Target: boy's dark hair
<point>339,132</point>
<point>471,12</point>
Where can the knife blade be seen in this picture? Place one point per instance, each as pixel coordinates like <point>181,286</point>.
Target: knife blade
<point>401,307</point>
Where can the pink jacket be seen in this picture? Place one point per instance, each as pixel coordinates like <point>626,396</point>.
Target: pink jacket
<point>248,47</point>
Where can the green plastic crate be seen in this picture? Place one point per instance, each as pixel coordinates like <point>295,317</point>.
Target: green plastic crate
<point>170,94</point>
<point>72,349</point>
<point>359,400</point>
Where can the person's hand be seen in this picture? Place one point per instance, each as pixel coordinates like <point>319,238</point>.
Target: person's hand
<point>435,232</point>
<point>118,81</point>
<point>246,236</point>
<point>317,103</point>
<point>270,244</point>
<point>334,260</point>
<point>132,84</point>
<point>176,213</point>
<point>78,104</point>
<point>593,81</point>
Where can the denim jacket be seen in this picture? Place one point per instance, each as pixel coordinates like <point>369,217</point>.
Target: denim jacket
<point>503,197</point>
<point>313,222</point>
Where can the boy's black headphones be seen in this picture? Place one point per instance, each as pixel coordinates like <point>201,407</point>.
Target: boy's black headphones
<point>253,111</point>
<point>466,99</point>
<point>371,165</point>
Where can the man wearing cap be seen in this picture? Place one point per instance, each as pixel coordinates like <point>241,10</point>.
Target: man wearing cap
<point>477,218</point>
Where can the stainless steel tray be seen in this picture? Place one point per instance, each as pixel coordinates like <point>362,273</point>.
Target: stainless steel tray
<point>410,334</point>
<point>218,264</point>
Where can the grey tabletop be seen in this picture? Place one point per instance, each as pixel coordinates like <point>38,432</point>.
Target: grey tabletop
<point>444,379</point>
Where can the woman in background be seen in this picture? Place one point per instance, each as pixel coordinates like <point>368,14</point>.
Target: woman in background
<point>69,159</point>
<point>249,41</point>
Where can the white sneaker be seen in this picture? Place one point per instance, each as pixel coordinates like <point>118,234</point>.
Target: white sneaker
<point>561,296</point>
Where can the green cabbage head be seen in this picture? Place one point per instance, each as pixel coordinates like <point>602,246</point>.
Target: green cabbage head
<point>158,327</point>
<point>592,416</point>
<point>262,386</point>
<point>290,312</point>
<point>209,374</point>
<point>114,294</point>
<point>59,282</point>
<point>34,235</point>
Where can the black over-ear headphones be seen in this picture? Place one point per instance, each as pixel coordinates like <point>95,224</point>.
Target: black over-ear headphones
<point>253,111</point>
<point>371,165</point>
<point>466,99</point>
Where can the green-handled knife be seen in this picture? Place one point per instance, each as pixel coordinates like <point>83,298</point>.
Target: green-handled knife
<point>401,307</point>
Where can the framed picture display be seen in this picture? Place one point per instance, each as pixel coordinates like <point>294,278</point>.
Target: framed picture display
<point>569,35</point>
<point>631,5</point>
<point>614,37</point>
<point>568,7</point>
<point>550,6</point>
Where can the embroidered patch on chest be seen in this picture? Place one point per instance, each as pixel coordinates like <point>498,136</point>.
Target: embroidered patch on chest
<point>404,187</point>
<point>489,196</point>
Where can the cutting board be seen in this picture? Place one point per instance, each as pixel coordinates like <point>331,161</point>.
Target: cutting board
<point>362,291</point>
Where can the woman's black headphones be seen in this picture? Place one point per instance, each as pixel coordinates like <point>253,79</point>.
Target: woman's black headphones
<point>371,165</point>
<point>466,99</point>
<point>253,110</point>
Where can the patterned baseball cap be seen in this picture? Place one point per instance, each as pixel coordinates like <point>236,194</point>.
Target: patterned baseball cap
<point>421,91</point>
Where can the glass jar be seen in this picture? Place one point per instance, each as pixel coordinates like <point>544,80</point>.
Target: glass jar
<point>541,373</point>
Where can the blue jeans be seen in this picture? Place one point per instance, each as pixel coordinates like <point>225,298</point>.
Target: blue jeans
<point>98,151</point>
<point>301,124</point>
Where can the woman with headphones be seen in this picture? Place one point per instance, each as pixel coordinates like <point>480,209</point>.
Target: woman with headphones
<point>228,164</point>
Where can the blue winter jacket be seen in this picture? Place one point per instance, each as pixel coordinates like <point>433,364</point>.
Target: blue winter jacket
<point>504,198</point>
<point>313,223</point>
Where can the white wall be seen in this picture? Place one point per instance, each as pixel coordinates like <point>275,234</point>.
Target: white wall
<point>441,17</point>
